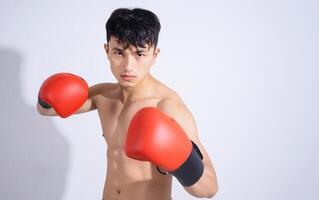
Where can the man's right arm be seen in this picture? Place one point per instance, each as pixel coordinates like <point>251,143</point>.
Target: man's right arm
<point>89,104</point>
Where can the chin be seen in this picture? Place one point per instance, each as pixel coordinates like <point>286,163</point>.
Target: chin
<point>127,84</point>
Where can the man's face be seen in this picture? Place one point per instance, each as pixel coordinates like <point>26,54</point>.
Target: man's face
<point>130,65</point>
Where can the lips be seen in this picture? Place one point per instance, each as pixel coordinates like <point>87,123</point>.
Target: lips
<point>127,77</point>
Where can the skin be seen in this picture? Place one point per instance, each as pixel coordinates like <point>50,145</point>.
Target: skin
<point>116,103</point>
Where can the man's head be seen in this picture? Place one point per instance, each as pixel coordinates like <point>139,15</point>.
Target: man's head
<point>132,37</point>
<point>136,27</point>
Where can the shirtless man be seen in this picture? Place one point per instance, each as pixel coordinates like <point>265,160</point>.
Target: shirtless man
<point>131,49</point>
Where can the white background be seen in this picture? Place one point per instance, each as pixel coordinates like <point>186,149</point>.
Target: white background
<point>248,71</point>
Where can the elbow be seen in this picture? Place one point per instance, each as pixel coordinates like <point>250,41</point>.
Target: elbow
<point>207,193</point>
<point>212,192</point>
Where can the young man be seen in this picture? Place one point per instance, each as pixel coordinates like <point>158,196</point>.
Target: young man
<point>132,172</point>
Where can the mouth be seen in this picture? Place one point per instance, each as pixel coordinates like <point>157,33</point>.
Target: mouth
<point>128,77</point>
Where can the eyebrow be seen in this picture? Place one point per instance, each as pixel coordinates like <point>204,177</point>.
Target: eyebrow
<point>137,50</point>
<point>141,50</point>
<point>117,49</point>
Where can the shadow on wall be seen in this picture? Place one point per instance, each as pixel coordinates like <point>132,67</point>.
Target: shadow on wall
<point>34,156</point>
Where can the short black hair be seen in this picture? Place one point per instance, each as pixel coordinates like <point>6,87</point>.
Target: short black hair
<point>136,27</point>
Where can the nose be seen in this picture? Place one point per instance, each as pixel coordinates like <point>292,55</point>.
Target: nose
<point>129,63</point>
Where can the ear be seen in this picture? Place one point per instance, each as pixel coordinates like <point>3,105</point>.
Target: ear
<point>155,54</point>
<point>106,48</point>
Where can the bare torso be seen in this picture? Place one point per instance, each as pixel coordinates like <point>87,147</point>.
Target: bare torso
<point>127,178</point>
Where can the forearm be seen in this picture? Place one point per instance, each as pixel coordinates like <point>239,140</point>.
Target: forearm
<point>206,187</point>
<point>86,107</point>
<point>45,112</point>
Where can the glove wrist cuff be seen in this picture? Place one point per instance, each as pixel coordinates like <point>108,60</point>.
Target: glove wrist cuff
<point>192,169</point>
<point>43,103</point>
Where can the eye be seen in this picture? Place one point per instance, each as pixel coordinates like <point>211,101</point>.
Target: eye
<point>118,53</point>
<point>140,54</point>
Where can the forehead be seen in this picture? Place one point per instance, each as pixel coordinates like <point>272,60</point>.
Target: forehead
<point>114,43</point>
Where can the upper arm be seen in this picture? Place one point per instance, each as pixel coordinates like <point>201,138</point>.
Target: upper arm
<point>180,113</point>
<point>90,104</point>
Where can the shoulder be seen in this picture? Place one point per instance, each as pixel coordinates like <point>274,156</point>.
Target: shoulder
<point>101,86</point>
<point>174,107</point>
<point>103,90</point>
<point>166,94</point>
<point>170,102</point>
<point>177,110</point>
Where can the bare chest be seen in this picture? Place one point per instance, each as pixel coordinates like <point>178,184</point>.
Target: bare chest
<point>115,118</point>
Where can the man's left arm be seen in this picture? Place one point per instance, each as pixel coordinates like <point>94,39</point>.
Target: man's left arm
<point>206,186</point>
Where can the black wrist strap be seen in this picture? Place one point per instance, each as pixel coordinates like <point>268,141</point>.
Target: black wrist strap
<point>43,103</point>
<point>192,169</point>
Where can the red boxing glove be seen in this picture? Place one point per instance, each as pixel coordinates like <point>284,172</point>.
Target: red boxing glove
<point>65,92</point>
<point>155,137</point>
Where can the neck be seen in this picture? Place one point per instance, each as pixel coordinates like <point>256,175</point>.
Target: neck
<point>140,91</point>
